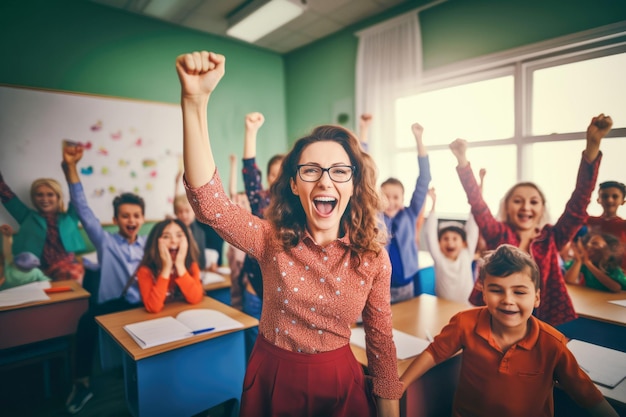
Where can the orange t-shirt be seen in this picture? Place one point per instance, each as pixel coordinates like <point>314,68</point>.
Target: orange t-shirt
<point>517,383</point>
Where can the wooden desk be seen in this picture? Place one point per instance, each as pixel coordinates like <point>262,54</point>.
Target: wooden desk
<point>432,394</point>
<point>41,320</point>
<point>220,290</point>
<point>39,331</point>
<point>594,304</point>
<point>599,322</point>
<point>185,377</point>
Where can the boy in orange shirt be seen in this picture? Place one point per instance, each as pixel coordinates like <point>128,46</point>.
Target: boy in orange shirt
<point>511,360</point>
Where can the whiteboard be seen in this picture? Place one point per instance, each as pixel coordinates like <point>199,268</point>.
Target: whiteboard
<point>131,146</point>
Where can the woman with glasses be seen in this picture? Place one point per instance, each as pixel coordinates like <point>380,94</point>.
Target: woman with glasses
<point>322,258</point>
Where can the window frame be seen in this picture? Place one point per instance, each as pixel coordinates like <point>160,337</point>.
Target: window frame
<point>521,63</point>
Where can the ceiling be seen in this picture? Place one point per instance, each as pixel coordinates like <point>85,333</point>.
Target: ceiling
<point>321,17</point>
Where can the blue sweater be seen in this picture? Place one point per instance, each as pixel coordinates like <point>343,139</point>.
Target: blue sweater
<point>402,246</point>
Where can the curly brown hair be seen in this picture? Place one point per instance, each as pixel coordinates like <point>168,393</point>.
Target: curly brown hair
<point>360,220</point>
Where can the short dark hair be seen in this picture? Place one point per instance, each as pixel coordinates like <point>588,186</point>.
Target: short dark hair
<point>506,260</point>
<point>454,228</point>
<point>613,184</point>
<point>128,198</point>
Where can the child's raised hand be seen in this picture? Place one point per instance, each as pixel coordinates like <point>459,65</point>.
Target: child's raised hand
<point>365,121</point>
<point>482,174</point>
<point>6,230</point>
<point>597,129</point>
<point>72,153</point>
<point>459,149</point>
<point>417,130</point>
<point>254,121</point>
<point>200,72</point>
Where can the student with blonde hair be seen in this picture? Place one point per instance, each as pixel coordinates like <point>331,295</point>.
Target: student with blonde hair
<point>48,231</point>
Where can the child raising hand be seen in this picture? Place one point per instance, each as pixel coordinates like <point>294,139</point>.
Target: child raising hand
<point>524,221</point>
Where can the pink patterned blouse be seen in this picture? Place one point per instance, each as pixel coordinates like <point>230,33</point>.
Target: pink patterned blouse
<point>312,294</point>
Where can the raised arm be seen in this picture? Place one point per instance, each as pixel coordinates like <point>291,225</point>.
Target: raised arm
<point>253,122</point>
<point>72,154</point>
<point>575,214</point>
<point>597,129</point>
<point>199,73</point>
<point>423,180</point>
<point>365,122</point>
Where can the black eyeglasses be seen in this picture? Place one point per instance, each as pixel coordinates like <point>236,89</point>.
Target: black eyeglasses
<point>337,173</point>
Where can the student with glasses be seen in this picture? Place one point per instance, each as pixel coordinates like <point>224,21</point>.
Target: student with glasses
<point>322,258</point>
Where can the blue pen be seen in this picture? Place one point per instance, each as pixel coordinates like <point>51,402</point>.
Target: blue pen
<point>210,329</point>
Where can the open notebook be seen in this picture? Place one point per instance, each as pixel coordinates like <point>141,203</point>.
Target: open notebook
<point>188,323</point>
<point>603,365</point>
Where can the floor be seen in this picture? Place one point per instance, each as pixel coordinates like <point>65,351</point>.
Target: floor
<point>22,394</point>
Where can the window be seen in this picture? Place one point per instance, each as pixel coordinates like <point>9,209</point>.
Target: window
<point>524,116</point>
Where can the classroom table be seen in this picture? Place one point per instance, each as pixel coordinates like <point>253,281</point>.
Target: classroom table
<point>220,290</point>
<point>42,320</point>
<point>432,394</point>
<point>602,323</point>
<point>40,331</point>
<point>185,377</point>
<point>599,321</point>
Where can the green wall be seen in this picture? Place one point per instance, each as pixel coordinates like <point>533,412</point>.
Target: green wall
<point>81,46</point>
<point>322,74</point>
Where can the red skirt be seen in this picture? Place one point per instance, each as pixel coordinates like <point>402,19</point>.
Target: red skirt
<point>281,383</point>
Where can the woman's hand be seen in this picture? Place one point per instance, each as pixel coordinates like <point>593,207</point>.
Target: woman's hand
<point>199,72</point>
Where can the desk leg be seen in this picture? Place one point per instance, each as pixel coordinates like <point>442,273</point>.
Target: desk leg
<point>186,381</point>
<point>433,393</point>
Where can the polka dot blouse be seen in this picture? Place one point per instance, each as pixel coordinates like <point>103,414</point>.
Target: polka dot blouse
<point>312,293</point>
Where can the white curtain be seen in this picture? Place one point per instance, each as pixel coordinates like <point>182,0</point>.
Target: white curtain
<point>389,61</point>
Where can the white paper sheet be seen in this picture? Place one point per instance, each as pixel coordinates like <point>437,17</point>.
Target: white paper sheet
<point>209,277</point>
<point>603,365</point>
<point>23,294</point>
<point>407,345</point>
<point>618,302</point>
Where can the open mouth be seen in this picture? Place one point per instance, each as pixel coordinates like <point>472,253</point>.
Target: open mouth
<point>508,312</point>
<point>173,252</point>
<point>325,205</point>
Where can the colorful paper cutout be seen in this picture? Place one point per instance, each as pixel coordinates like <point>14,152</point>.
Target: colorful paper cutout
<point>148,163</point>
<point>104,170</point>
<point>96,126</point>
<point>111,189</point>
<point>116,135</point>
<point>102,151</point>
<point>86,170</point>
